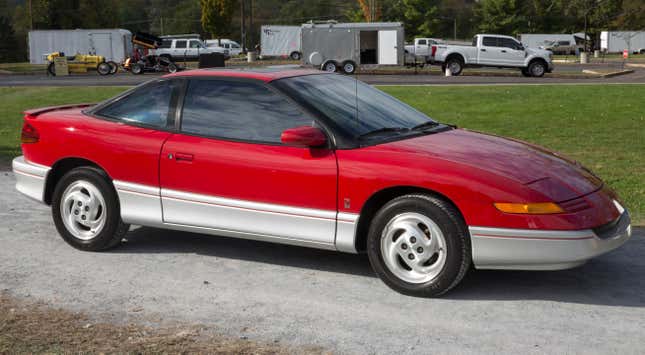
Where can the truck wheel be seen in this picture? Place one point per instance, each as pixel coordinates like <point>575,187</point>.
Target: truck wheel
<point>295,55</point>
<point>113,67</point>
<point>136,69</point>
<point>172,68</point>
<point>51,69</point>
<point>86,210</point>
<point>455,65</point>
<point>349,67</point>
<point>525,72</point>
<point>419,246</point>
<point>537,68</point>
<point>103,68</point>
<point>330,66</point>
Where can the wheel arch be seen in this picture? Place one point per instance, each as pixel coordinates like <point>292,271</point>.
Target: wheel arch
<point>456,55</point>
<point>60,168</point>
<point>536,59</point>
<point>380,198</point>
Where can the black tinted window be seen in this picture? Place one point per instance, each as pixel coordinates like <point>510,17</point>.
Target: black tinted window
<point>238,110</point>
<point>490,42</point>
<point>165,44</point>
<point>508,43</point>
<point>422,41</point>
<point>564,43</point>
<point>180,44</point>
<point>148,105</point>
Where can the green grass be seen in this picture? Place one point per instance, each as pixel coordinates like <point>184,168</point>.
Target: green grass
<point>16,100</point>
<point>601,126</point>
<point>23,67</point>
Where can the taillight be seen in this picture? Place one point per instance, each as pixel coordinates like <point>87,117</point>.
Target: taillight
<point>29,134</point>
<point>434,50</point>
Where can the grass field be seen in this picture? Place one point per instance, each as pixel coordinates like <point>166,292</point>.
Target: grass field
<point>601,126</point>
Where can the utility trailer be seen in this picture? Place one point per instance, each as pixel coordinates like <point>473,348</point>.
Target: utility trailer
<point>618,41</point>
<point>280,41</point>
<point>112,44</point>
<point>332,46</point>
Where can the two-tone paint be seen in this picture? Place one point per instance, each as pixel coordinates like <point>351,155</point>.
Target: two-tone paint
<point>325,197</point>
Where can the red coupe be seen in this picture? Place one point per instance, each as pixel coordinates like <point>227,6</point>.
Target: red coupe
<point>319,160</point>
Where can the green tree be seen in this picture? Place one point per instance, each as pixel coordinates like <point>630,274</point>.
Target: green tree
<point>501,16</point>
<point>420,17</point>
<point>217,16</point>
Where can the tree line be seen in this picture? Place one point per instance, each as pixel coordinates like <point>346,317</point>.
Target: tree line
<point>223,18</point>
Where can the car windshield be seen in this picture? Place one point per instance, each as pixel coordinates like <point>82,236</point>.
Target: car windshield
<point>357,109</point>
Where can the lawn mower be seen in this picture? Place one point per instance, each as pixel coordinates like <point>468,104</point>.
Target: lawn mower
<point>141,62</point>
<point>81,63</point>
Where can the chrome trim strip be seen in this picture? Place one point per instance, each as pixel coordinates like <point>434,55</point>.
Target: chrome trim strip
<point>30,178</point>
<point>305,225</point>
<point>346,232</point>
<point>511,233</point>
<point>140,204</point>
<point>248,205</point>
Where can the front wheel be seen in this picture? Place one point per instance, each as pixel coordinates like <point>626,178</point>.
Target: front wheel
<point>86,211</point>
<point>525,72</point>
<point>419,246</point>
<point>537,69</point>
<point>455,65</point>
<point>172,68</point>
<point>136,69</point>
<point>113,67</point>
<point>295,55</point>
<point>51,69</point>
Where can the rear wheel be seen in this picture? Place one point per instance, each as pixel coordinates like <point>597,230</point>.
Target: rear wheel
<point>525,72</point>
<point>329,66</point>
<point>103,68</point>
<point>86,210</point>
<point>172,68</point>
<point>455,65</point>
<point>418,245</point>
<point>113,67</point>
<point>349,67</point>
<point>136,69</point>
<point>295,55</point>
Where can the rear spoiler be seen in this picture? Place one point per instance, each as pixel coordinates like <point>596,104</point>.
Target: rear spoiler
<point>38,111</point>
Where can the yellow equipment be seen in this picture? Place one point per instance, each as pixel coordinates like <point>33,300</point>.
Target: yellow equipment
<point>81,63</point>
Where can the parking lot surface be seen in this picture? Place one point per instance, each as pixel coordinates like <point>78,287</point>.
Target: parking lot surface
<point>303,296</point>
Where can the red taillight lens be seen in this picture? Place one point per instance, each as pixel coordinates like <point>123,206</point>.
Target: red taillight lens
<point>29,134</point>
<point>434,50</point>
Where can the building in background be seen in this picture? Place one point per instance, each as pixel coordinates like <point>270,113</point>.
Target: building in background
<point>113,44</point>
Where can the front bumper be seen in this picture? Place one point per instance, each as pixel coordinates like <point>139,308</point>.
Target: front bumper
<point>30,178</point>
<point>527,249</point>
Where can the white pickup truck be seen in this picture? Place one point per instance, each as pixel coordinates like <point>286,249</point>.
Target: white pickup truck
<point>494,51</point>
<point>421,50</point>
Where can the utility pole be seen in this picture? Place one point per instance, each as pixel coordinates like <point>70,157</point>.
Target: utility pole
<point>251,43</point>
<point>455,29</point>
<point>31,16</point>
<point>242,27</point>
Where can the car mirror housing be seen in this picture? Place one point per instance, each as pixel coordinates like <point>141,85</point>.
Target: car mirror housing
<point>303,136</point>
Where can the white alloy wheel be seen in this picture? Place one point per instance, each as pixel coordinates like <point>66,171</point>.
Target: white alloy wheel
<point>82,209</point>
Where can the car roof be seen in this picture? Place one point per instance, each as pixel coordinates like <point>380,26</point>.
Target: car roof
<point>264,74</point>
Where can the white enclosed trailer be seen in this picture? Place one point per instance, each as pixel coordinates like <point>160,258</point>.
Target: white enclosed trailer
<point>280,41</point>
<point>343,46</point>
<point>618,41</point>
<point>113,44</point>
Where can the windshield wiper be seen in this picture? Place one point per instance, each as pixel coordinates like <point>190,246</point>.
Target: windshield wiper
<point>382,130</point>
<point>425,125</point>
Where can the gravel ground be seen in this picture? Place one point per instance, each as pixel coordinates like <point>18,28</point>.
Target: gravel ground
<point>306,297</point>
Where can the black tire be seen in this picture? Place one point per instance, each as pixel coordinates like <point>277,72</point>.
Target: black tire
<point>113,67</point>
<point>51,69</point>
<point>456,65</point>
<point>166,56</point>
<point>172,68</point>
<point>136,69</point>
<point>295,55</point>
<point>455,235</point>
<point>537,68</point>
<point>112,231</point>
<point>348,67</point>
<point>525,72</point>
<point>103,68</point>
<point>329,66</point>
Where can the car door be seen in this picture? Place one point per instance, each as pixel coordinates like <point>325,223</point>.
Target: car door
<point>181,48</point>
<point>194,49</point>
<point>512,53</point>
<point>227,171</point>
<point>421,49</point>
<point>489,52</point>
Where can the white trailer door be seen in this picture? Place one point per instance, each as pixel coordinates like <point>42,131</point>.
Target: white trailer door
<point>387,47</point>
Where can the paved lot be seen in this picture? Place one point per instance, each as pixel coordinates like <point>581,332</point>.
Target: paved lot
<point>128,79</point>
<point>304,296</point>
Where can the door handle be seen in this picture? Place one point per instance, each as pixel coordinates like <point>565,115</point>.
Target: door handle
<point>483,49</point>
<point>183,157</point>
<point>503,50</point>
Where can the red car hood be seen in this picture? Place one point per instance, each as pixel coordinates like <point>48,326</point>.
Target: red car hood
<point>541,169</point>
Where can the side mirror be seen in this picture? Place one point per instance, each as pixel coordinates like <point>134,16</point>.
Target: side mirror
<point>304,136</point>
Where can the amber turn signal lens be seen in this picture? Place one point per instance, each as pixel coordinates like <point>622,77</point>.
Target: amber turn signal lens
<point>529,208</point>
